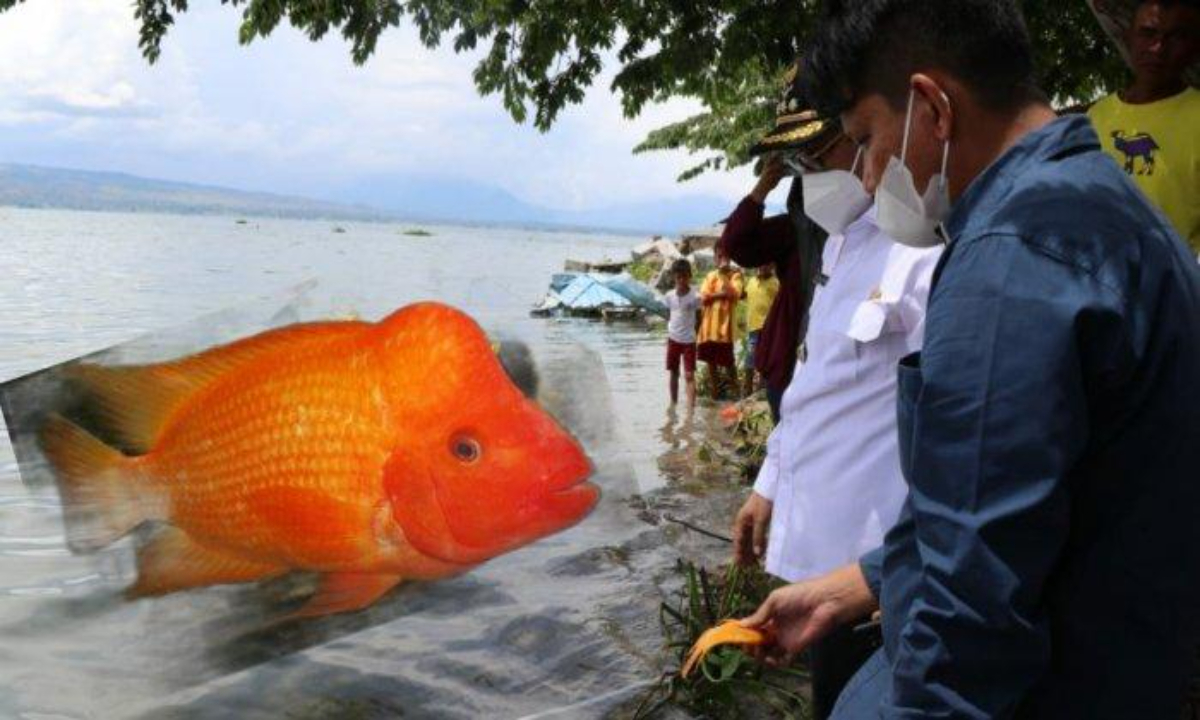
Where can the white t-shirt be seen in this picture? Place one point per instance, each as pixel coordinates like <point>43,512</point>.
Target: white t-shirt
<point>682,326</point>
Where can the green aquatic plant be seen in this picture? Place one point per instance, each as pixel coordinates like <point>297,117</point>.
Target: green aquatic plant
<point>740,451</point>
<point>729,684</point>
<point>644,272</point>
<point>753,428</point>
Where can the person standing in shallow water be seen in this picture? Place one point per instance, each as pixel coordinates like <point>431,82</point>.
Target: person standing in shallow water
<point>1152,127</point>
<point>684,307</point>
<point>719,298</point>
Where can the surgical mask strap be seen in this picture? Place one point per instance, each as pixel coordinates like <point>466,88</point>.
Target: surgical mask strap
<point>907,126</point>
<point>857,157</point>
<point>945,162</point>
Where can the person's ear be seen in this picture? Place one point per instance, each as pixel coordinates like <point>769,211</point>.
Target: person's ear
<point>930,90</point>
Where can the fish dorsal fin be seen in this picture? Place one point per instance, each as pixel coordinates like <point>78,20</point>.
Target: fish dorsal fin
<point>134,403</point>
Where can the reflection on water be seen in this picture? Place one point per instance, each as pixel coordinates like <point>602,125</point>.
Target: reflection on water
<point>568,625</point>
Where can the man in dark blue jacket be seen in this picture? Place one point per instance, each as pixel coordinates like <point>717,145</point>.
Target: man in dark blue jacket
<point>1047,562</point>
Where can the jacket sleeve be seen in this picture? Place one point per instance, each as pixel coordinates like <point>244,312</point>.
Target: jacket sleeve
<point>753,241</point>
<point>871,565</point>
<point>998,426</point>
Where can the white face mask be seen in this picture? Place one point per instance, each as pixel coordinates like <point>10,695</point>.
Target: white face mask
<point>904,214</point>
<point>835,198</point>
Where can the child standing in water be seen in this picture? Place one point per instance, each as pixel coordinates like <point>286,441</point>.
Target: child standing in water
<point>681,332</point>
<point>720,295</point>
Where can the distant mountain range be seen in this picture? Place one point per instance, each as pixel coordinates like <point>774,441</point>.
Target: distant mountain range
<point>401,197</point>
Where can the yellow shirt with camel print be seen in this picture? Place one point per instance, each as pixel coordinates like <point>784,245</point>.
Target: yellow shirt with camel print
<point>1158,144</point>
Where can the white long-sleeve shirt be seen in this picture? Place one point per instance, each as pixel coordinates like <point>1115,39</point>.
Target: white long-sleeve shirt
<point>833,468</point>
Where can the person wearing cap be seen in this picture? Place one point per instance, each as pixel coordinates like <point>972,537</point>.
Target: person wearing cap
<point>831,484</point>
<point>791,242</point>
<point>1152,127</point>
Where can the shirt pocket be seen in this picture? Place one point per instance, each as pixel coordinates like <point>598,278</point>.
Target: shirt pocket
<point>860,341</point>
<point>880,339</point>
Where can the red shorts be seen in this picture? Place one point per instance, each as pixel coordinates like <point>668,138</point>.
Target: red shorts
<point>686,351</point>
<point>717,354</point>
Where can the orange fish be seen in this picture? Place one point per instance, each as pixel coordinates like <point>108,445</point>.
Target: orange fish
<point>731,414</point>
<point>730,632</point>
<point>367,452</point>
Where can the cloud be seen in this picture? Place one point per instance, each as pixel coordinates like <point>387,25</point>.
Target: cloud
<point>289,115</point>
<point>119,101</point>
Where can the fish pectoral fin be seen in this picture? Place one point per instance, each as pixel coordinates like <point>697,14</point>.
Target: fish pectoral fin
<point>347,592</point>
<point>172,561</point>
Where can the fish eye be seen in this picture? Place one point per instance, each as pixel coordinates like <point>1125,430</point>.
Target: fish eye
<point>466,449</point>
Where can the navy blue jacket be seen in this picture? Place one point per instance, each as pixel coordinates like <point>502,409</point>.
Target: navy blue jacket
<point>1047,561</point>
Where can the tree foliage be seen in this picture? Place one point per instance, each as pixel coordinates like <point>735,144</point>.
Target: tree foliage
<point>540,56</point>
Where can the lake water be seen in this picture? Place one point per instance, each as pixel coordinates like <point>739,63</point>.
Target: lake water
<point>566,627</point>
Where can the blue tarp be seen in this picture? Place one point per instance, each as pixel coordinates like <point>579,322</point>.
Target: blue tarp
<point>587,292</point>
<point>559,281</point>
<point>637,293</point>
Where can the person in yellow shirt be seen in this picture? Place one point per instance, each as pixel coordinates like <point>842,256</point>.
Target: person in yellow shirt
<point>760,296</point>
<point>719,296</point>
<point>1152,128</point>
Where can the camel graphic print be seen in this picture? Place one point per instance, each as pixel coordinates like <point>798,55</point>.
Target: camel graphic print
<point>1134,147</point>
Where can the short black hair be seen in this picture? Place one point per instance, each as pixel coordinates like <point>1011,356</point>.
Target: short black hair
<point>864,46</point>
<point>681,266</point>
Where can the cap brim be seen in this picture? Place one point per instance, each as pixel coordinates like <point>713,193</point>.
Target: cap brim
<point>797,136</point>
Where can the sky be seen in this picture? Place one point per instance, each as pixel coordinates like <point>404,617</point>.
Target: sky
<point>290,116</point>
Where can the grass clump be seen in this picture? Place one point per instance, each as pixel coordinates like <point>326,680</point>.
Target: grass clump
<point>729,684</point>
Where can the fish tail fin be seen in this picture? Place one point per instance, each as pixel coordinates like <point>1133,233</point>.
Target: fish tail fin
<point>99,486</point>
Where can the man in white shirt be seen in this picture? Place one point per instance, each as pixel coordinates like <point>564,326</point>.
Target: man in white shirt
<point>831,485</point>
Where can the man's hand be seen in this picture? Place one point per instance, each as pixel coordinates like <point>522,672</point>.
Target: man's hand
<point>796,616</point>
<point>750,530</point>
<point>772,174</point>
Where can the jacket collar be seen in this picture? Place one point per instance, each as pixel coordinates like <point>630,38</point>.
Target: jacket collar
<point>1064,136</point>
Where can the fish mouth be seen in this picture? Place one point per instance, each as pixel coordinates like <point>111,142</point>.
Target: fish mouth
<point>574,479</point>
<point>581,489</point>
<point>572,500</point>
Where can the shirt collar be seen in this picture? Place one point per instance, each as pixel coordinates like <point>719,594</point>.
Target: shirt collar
<point>1064,136</point>
<point>865,223</point>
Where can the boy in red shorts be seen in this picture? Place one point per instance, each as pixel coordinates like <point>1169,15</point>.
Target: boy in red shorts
<point>681,331</point>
